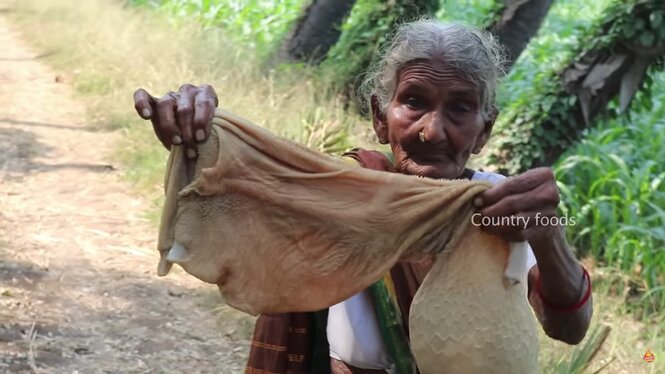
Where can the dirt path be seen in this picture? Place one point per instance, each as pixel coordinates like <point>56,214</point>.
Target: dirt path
<point>78,287</point>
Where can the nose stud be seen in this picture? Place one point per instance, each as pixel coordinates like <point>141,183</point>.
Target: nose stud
<point>422,137</point>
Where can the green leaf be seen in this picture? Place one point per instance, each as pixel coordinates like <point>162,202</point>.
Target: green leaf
<point>656,19</point>
<point>629,31</point>
<point>639,23</point>
<point>538,131</point>
<point>647,39</point>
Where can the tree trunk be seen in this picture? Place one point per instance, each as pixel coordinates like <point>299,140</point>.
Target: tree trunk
<point>371,22</point>
<point>316,31</point>
<point>517,23</point>
<point>612,62</point>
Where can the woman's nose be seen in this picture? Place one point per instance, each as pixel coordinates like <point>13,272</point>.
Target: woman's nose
<point>434,129</point>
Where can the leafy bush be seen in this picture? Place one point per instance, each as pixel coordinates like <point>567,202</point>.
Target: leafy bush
<point>471,12</point>
<point>554,44</point>
<point>536,129</point>
<point>613,182</point>
<point>364,33</point>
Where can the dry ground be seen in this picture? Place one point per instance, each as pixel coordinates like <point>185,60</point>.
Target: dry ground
<point>78,285</point>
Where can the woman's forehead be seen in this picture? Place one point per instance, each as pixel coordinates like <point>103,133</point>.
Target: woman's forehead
<point>437,73</point>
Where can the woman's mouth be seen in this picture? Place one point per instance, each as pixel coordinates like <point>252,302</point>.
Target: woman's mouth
<point>430,157</point>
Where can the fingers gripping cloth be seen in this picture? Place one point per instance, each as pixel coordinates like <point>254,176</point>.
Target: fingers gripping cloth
<point>281,228</point>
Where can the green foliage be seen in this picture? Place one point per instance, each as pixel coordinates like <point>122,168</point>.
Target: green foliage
<point>554,45</point>
<point>479,13</point>
<point>256,24</point>
<point>583,354</point>
<point>363,34</point>
<point>546,117</point>
<point>613,182</point>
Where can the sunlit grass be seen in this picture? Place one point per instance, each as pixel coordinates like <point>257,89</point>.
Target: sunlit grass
<point>627,341</point>
<point>260,25</point>
<point>107,50</point>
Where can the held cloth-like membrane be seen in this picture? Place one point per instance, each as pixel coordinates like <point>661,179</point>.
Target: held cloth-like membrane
<point>281,228</point>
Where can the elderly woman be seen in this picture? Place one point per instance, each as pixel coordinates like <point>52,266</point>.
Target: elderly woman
<point>433,101</point>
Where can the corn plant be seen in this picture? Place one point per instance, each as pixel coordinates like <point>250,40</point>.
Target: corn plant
<point>613,184</point>
<point>257,24</point>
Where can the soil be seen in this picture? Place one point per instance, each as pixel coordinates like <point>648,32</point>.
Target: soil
<point>78,286</point>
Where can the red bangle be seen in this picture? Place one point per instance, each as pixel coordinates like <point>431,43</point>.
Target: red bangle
<point>567,308</point>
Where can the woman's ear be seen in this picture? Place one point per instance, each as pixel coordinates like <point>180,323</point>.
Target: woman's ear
<point>379,121</point>
<point>484,137</point>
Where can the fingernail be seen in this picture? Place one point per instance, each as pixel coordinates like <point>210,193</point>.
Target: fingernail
<point>191,153</point>
<point>145,112</point>
<point>176,140</point>
<point>477,201</point>
<point>200,135</point>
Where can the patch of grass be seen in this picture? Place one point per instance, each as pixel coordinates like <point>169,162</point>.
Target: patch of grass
<point>106,63</point>
<point>258,24</point>
<point>613,183</point>
<point>626,343</point>
<point>93,84</point>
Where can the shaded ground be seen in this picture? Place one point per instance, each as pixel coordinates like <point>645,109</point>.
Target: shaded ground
<point>78,285</point>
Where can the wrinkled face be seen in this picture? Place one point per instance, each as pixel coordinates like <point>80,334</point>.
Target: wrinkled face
<point>433,98</point>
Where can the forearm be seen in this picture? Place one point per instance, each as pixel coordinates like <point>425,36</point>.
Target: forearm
<point>562,283</point>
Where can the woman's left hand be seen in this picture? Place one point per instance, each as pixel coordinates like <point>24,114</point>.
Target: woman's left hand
<point>520,208</point>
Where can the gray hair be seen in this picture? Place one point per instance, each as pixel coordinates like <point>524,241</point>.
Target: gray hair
<point>474,53</point>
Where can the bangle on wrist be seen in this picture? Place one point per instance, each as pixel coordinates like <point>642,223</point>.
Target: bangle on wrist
<point>567,308</point>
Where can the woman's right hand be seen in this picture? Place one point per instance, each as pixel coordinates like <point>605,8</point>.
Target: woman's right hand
<point>181,117</point>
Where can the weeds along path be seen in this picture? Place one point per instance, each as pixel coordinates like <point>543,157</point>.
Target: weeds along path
<point>78,284</point>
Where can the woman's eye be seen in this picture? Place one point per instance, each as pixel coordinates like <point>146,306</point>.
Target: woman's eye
<point>461,109</point>
<point>414,103</point>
